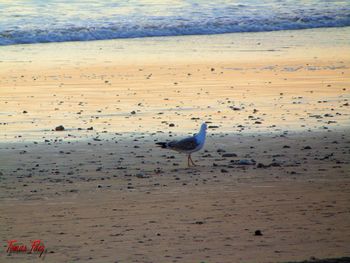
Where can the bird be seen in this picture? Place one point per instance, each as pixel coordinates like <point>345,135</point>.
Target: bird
<point>187,145</point>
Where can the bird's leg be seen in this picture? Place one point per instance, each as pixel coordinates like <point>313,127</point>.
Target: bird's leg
<point>188,161</point>
<point>192,160</point>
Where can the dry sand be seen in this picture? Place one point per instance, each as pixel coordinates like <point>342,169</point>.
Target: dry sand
<point>276,157</point>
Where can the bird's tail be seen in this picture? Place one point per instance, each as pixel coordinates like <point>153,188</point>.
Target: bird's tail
<point>162,144</point>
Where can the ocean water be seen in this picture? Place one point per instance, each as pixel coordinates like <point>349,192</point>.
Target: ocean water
<point>40,21</point>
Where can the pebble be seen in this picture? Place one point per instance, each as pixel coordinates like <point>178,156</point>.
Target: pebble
<point>258,233</point>
<point>244,162</point>
<point>261,165</point>
<point>59,128</point>
<point>141,175</point>
<point>235,108</point>
<point>229,155</point>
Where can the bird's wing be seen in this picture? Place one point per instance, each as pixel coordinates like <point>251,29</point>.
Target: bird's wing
<point>187,144</point>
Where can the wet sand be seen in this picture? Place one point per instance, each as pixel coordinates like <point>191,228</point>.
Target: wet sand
<point>276,157</point>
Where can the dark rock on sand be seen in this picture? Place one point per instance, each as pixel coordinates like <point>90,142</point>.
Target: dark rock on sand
<point>244,162</point>
<point>141,175</point>
<point>258,233</point>
<point>229,155</point>
<point>261,165</point>
<point>59,128</point>
<point>235,108</point>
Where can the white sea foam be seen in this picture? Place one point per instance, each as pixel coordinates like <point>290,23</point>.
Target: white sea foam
<point>34,21</point>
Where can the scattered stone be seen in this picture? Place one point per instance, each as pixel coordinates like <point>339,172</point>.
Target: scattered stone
<point>141,175</point>
<point>59,128</point>
<point>245,162</point>
<point>229,155</point>
<point>258,233</point>
<point>275,164</point>
<point>235,108</point>
<point>261,165</point>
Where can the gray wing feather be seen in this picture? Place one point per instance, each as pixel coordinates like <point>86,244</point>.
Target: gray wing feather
<point>187,144</point>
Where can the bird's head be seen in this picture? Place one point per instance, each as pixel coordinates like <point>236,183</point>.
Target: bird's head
<point>204,127</point>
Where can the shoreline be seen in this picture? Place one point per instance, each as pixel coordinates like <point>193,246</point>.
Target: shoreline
<point>179,36</point>
<point>200,48</point>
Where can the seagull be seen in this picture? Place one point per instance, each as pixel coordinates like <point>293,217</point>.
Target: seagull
<point>188,145</point>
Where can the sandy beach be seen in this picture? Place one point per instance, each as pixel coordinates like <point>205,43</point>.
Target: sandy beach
<point>271,185</point>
